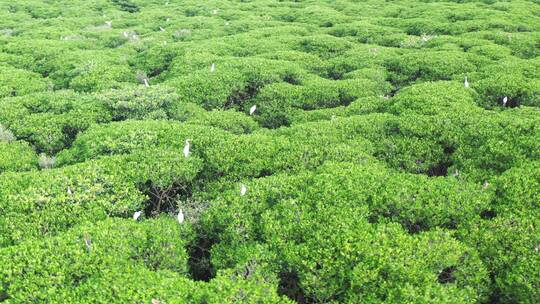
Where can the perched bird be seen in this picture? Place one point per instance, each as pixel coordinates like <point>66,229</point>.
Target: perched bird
<point>161,29</point>
<point>243,190</point>
<point>252,110</point>
<point>136,215</point>
<point>69,191</point>
<point>146,84</point>
<point>186,148</point>
<point>87,242</point>
<point>466,82</point>
<point>168,19</point>
<point>213,68</point>
<point>180,216</point>
<point>486,185</point>
<point>505,100</point>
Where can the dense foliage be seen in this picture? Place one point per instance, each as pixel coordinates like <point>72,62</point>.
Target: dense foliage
<point>339,151</point>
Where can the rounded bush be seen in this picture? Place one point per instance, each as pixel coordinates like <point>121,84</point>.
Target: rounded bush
<point>17,156</point>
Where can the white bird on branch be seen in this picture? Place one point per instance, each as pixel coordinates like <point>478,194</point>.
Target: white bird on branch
<point>213,68</point>
<point>505,101</point>
<point>136,215</point>
<point>186,148</point>
<point>466,82</point>
<point>253,109</point>
<point>243,190</point>
<point>180,216</point>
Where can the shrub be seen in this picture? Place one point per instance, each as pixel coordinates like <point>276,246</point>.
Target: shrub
<point>338,256</point>
<point>324,46</point>
<point>520,90</point>
<point>361,106</point>
<point>416,202</point>
<point>230,120</point>
<point>50,121</point>
<point>17,82</point>
<point>48,202</point>
<point>17,156</point>
<point>490,143</point>
<point>71,261</point>
<point>508,245</point>
<point>139,102</point>
<point>518,190</point>
<point>231,84</point>
<point>276,102</point>
<point>478,144</point>
<point>96,77</point>
<point>492,51</point>
<point>432,97</point>
<point>233,287</point>
<point>131,136</point>
<point>126,5</point>
<point>430,66</point>
<point>156,59</point>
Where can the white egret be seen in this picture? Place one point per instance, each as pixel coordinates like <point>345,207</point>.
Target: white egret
<point>136,215</point>
<point>186,148</point>
<point>146,84</point>
<point>466,82</point>
<point>180,216</point>
<point>213,68</point>
<point>69,191</point>
<point>126,34</point>
<point>161,29</point>
<point>505,100</point>
<point>253,109</point>
<point>243,190</point>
